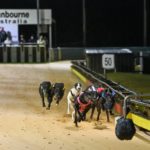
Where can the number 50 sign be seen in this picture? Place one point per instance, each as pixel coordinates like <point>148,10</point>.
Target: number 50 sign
<point>108,61</point>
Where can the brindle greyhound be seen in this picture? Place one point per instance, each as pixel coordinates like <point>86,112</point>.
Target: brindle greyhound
<point>58,92</point>
<point>45,91</point>
<point>49,91</point>
<point>82,104</point>
<point>104,101</point>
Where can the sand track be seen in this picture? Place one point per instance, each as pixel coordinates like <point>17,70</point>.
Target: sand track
<point>25,125</point>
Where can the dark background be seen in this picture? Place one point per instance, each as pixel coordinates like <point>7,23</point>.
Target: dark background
<point>108,22</point>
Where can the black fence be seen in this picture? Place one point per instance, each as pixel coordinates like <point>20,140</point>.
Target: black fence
<point>146,62</point>
<point>128,59</point>
<point>23,53</point>
<point>65,53</point>
<point>125,59</point>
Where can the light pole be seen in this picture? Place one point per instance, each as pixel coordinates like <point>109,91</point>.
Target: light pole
<point>38,20</point>
<point>84,22</point>
<point>55,31</point>
<point>145,23</point>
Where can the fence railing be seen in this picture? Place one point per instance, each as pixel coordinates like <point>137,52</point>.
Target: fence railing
<point>121,90</point>
<point>130,102</point>
<point>136,61</point>
<point>23,53</point>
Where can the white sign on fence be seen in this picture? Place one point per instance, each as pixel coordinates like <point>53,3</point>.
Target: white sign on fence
<point>25,16</point>
<point>108,61</point>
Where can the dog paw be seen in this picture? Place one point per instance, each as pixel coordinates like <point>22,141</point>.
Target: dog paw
<point>76,125</point>
<point>48,108</point>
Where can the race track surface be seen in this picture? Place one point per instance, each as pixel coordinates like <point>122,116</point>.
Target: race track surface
<point>26,125</point>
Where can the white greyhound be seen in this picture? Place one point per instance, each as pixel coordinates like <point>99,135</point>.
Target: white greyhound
<point>74,92</point>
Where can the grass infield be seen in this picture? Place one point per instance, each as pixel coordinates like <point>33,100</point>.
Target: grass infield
<point>139,83</point>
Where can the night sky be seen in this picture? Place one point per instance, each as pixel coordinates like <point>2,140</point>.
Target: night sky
<point>108,22</point>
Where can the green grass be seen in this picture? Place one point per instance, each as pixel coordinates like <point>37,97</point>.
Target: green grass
<point>138,83</point>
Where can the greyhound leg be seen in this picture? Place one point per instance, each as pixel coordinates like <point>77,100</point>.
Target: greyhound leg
<point>107,114</point>
<point>49,102</point>
<point>92,112</point>
<point>76,118</point>
<point>68,106</point>
<point>43,102</point>
<point>111,113</point>
<point>98,113</point>
<point>73,115</point>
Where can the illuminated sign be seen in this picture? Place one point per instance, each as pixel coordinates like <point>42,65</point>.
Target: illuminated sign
<point>25,16</point>
<point>108,61</point>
